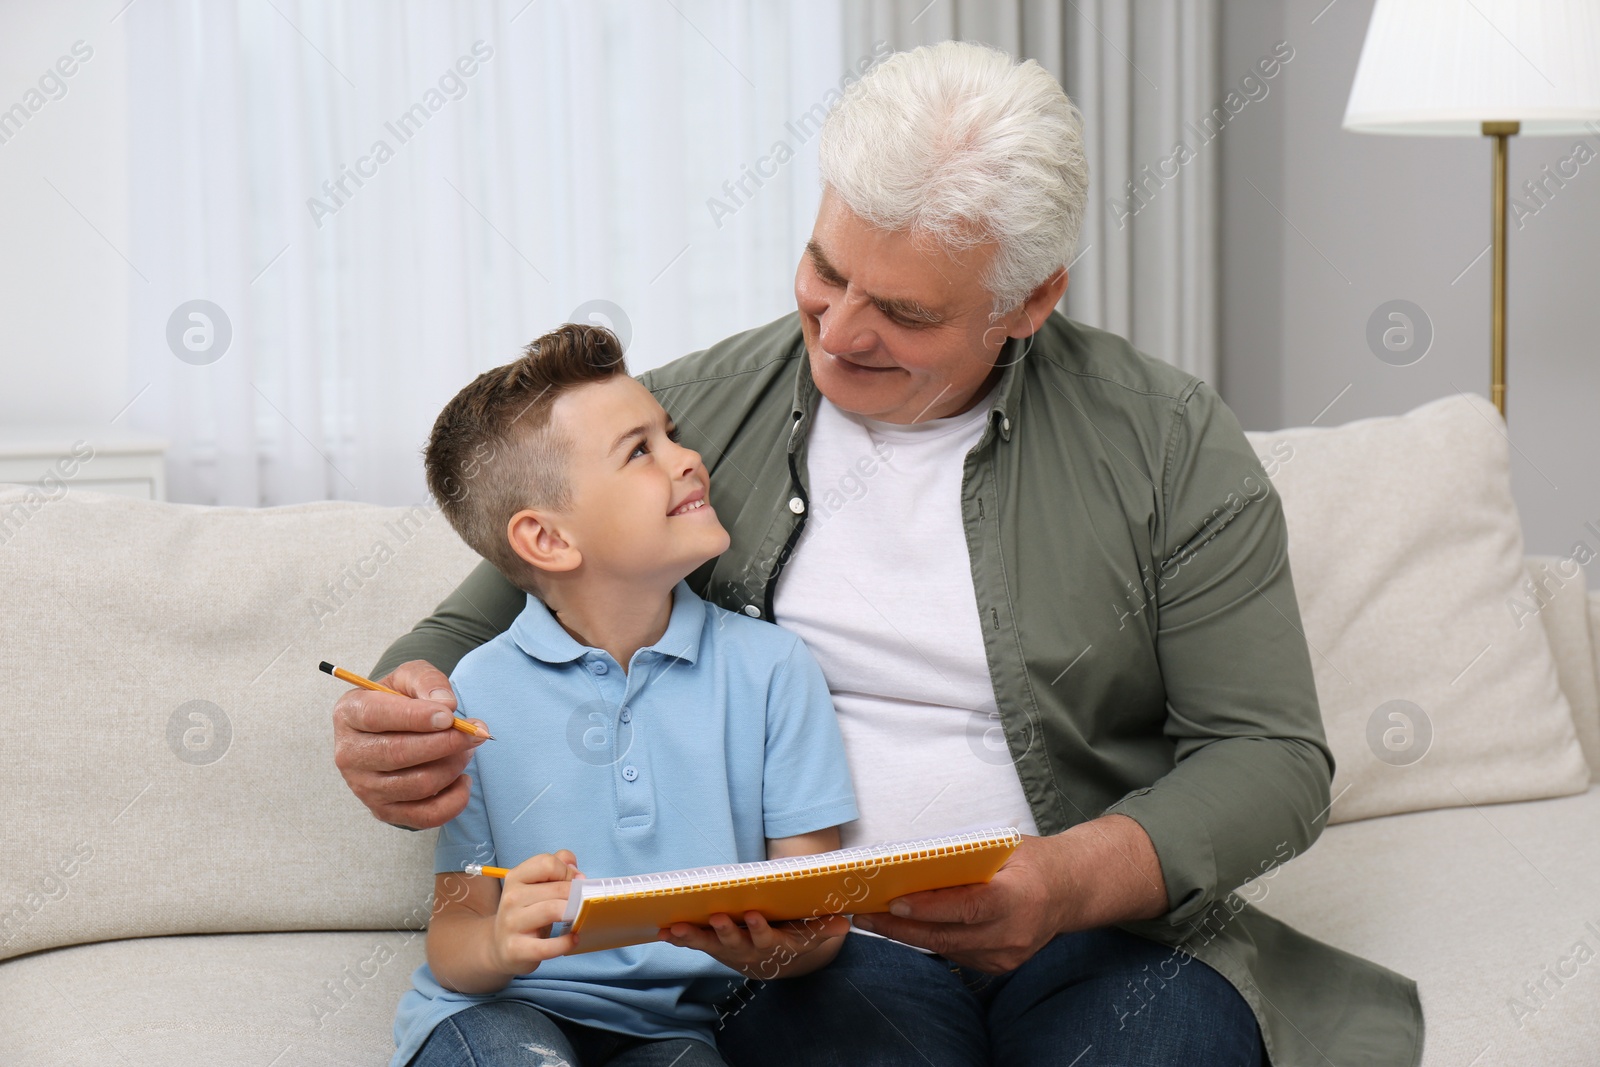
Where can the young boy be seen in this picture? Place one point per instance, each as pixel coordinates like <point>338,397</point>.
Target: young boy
<point>637,728</point>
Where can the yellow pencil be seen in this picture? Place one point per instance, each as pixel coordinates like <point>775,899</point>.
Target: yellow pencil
<point>487,872</point>
<point>366,683</point>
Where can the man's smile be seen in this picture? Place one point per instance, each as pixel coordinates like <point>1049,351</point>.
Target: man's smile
<point>851,365</point>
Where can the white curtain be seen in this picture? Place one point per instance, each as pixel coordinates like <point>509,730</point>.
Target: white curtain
<point>1139,72</point>
<point>536,159</point>
<point>380,200</point>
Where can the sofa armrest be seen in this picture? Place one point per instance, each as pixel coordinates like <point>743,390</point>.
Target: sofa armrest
<point>1571,617</point>
<point>1587,719</point>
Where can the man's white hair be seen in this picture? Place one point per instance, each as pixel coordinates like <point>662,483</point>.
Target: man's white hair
<point>960,143</point>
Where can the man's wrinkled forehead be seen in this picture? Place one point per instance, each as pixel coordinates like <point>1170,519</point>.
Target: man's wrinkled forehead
<point>916,279</point>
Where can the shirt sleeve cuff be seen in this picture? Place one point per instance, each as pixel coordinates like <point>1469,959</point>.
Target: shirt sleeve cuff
<point>1183,847</point>
<point>816,817</point>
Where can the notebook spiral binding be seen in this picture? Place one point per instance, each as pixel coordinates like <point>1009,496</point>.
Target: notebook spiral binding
<point>790,867</point>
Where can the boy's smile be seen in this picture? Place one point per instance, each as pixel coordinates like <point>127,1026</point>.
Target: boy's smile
<point>696,502</point>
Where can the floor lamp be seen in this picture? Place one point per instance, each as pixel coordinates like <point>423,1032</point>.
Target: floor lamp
<point>1492,68</point>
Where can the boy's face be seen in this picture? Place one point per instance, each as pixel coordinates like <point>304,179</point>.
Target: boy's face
<point>631,482</point>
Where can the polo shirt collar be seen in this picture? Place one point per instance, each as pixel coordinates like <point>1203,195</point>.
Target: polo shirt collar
<point>537,632</point>
<point>1002,409</point>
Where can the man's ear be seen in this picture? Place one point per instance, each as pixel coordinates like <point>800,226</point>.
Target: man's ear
<point>538,537</point>
<point>1025,320</point>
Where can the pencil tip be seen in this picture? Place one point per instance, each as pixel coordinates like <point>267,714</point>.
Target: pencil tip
<point>326,667</point>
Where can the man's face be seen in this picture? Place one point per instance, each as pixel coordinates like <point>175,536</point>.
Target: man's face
<point>896,330</point>
<point>630,481</point>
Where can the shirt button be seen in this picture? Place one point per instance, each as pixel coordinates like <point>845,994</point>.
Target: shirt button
<point>598,666</point>
<point>1005,424</point>
<point>627,716</point>
<point>752,611</point>
<point>796,505</point>
<point>630,772</point>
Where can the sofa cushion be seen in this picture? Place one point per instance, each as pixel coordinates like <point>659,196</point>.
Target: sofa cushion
<point>169,736</point>
<point>275,1000</point>
<point>1491,909</point>
<point>1407,554</point>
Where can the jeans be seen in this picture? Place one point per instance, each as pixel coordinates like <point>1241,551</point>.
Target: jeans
<point>515,1032</point>
<point>1099,998</point>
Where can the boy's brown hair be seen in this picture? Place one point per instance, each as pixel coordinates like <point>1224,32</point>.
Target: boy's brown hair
<point>493,450</point>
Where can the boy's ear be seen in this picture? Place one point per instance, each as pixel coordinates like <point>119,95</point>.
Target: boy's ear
<point>539,540</point>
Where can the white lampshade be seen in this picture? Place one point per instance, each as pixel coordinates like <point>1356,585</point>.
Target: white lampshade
<point>1445,67</point>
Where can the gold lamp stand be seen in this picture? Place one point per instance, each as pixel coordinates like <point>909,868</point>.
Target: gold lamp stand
<point>1497,314</point>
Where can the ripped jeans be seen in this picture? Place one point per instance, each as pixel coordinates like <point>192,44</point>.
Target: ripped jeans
<point>516,1033</point>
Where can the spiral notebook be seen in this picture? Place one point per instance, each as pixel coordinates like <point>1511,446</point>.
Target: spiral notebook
<point>612,912</point>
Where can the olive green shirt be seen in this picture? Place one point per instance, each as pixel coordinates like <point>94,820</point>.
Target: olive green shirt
<point>1130,561</point>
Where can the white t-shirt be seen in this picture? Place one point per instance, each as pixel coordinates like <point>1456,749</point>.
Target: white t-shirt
<point>879,586</point>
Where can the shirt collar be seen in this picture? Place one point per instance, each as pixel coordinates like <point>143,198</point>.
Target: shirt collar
<point>1004,405</point>
<point>537,632</point>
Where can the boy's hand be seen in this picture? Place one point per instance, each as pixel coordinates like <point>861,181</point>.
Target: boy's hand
<point>533,896</point>
<point>760,949</point>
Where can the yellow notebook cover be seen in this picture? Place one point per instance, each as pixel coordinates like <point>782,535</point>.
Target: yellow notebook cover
<point>612,912</point>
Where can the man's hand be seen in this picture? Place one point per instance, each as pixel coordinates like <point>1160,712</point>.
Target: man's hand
<point>533,897</point>
<point>400,754</point>
<point>1095,874</point>
<point>762,950</point>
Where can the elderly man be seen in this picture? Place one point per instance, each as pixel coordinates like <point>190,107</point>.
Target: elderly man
<point>1049,586</point>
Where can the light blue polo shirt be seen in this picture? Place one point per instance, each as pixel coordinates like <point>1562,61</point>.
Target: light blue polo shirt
<point>720,735</point>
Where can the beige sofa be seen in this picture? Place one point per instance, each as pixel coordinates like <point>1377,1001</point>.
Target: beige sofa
<point>186,879</point>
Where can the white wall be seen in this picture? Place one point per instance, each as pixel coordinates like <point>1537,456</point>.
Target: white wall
<point>1366,219</point>
<point>63,286</point>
